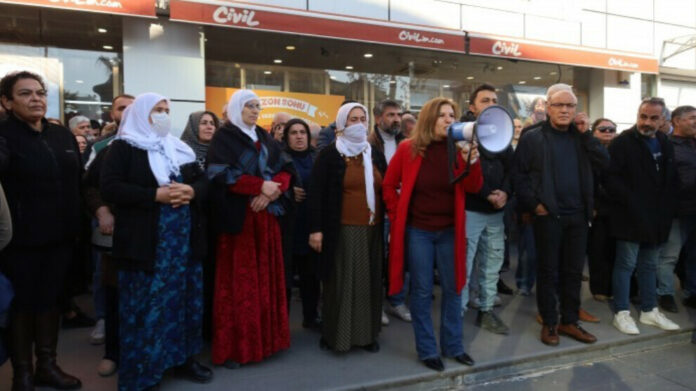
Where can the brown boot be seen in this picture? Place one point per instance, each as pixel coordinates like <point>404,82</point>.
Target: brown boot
<point>21,337</point>
<point>48,374</point>
<point>549,335</point>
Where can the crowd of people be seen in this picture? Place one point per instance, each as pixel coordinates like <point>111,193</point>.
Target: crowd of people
<point>202,237</point>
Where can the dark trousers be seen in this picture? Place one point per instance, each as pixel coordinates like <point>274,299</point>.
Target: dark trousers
<point>601,251</point>
<point>561,243</point>
<point>309,284</point>
<point>111,341</point>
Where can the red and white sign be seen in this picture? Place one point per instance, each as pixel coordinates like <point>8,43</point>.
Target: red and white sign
<point>562,54</point>
<point>127,7</point>
<point>231,14</point>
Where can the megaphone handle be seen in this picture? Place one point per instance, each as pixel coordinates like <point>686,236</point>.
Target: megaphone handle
<point>466,171</point>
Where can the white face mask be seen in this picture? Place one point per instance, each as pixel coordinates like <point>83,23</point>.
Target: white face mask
<point>356,133</point>
<point>161,123</point>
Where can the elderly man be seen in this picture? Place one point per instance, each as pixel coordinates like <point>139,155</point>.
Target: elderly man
<point>554,181</point>
<point>279,121</point>
<point>684,141</point>
<point>80,126</point>
<point>485,229</point>
<point>642,181</point>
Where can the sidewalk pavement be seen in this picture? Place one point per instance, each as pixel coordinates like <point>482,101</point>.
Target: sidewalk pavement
<point>305,367</point>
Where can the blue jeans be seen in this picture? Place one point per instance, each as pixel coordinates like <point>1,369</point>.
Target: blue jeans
<point>669,254</point>
<point>643,258</point>
<point>526,258</point>
<point>688,236</point>
<point>399,298</point>
<point>485,241</point>
<point>424,250</point>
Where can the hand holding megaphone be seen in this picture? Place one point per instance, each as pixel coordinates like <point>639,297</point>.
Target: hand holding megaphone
<point>469,151</point>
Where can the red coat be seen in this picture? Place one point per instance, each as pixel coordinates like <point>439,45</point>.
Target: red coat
<point>401,175</point>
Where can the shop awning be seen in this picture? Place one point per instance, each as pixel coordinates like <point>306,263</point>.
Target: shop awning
<point>488,45</point>
<point>286,20</point>
<point>125,7</point>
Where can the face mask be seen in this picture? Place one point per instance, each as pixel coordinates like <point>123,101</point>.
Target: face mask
<point>356,133</point>
<point>161,123</point>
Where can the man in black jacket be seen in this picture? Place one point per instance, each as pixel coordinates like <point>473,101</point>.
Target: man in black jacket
<point>641,180</point>
<point>553,180</point>
<point>485,229</point>
<point>684,141</point>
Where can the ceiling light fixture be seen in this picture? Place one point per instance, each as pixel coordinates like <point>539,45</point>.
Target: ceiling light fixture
<point>469,78</point>
<point>522,82</point>
<point>500,68</point>
<point>289,47</point>
<point>267,72</point>
<point>349,67</point>
<point>278,61</point>
<point>102,30</point>
<point>537,77</point>
<point>108,47</point>
<point>446,86</point>
<point>367,55</point>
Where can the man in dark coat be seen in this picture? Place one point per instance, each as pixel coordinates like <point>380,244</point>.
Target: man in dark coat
<point>642,181</point>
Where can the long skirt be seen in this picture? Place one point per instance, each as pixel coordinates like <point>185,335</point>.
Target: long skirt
<point>250,316</point>
<point>161,312</point>
<point>352,302</point>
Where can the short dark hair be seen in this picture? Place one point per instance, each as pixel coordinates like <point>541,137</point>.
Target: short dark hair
<point>294,121</point>
<point>8,82</point>
<point>682,111</point>
<point>381,106</point>
<point>654,101</point>
<point>482,87</point>
<point>598,121</point>
<point>117,97</point>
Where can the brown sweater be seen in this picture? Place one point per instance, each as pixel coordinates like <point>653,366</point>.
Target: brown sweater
<point>354,210</point>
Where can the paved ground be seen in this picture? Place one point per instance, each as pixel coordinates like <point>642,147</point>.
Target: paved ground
<point>305,367</point>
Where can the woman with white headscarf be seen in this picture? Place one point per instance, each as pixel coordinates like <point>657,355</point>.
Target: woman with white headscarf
<point>249,192</point>
<point>152,179</point>
<point>345,225</point>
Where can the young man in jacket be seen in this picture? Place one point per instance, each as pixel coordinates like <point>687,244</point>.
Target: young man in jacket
<point>553,180</point>
<point>642,182</point>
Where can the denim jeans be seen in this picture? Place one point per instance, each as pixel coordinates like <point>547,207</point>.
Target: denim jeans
<point>485,241</point>
<point>399,298</point>
<point>424,250</point>
<point>669,254</point>
<point>643,258</point>
<point>688,236</point>
<point>525,276</point>
<point>99,295</point>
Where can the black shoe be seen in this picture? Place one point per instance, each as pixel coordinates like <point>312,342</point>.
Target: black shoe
<point>372,348</point>
<point>80,320</point>
<point>195,372</point>
<point>465,359</point>
<point>667,303</point>
<point>504,289</point>
<point>690,301</point>
<point>434,363</point>
<point>323,345</point>
<point>314,324</point>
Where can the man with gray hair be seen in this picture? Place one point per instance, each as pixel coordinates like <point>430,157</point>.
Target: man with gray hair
<point>641,181</point>
<point>80,125</point>
<point>278,124</point>
<point>554,181</point>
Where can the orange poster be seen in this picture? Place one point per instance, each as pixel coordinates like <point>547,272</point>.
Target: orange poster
<point>313,108</point>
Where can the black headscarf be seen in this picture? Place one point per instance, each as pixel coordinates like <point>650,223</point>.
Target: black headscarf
<point>190,135</point>
<point>286,131</point>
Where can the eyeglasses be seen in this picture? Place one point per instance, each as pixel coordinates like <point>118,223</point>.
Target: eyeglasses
<point>561,105</point>
<point>252,106</point>
<point>606,129</point>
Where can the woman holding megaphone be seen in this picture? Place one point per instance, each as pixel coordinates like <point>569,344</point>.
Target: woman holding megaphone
<point>428,218</point>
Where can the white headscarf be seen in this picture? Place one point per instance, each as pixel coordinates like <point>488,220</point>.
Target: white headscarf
<point>352,141</point>
<point>234,112</point>
<point>165,154</point>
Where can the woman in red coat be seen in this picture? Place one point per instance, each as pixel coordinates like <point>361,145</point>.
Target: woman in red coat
<point>428,224</point>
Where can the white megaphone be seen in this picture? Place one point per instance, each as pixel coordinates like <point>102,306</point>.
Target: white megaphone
<point>493,131</point>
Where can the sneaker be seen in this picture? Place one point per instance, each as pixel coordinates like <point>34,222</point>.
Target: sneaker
<point>400,311</point>
<point>489,320</point>
<point>667,303</point>
<point>97,335</point>
<point>385,319</point>
<point>657,319</point>
<point>106,367</point>
<point>625,324</point>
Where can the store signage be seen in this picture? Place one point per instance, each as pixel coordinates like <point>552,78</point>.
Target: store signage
<point>239,15</point>
<point>128,7</point>
<point>560,54</point>
<point>313,108</point>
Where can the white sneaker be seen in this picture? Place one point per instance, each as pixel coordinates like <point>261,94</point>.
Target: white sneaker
<point>400,311</point>
<point>385,319</point>
<point>106,367</point>
<point>625,324</point>
<point>97,335</point>
<point>657,319</point>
